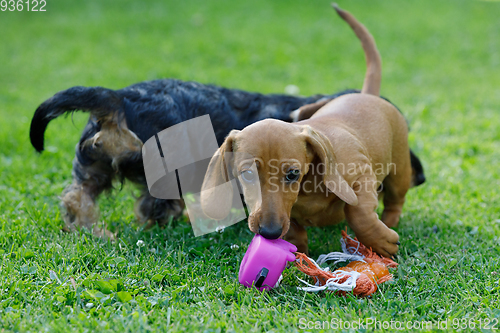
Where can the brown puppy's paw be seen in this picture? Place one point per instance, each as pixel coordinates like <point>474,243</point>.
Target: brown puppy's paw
<point>384,241</point>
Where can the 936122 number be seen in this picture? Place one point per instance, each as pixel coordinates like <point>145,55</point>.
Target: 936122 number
<point>23,5</point>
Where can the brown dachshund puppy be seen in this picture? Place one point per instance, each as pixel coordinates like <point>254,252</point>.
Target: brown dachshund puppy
<point>325,169</point>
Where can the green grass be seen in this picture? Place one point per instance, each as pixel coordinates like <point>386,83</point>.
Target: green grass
<point>441,67</point>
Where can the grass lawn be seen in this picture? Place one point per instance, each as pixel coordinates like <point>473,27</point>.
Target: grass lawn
<point>441,67</point>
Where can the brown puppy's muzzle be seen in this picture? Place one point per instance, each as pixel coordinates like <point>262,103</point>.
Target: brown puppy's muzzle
<point>269,226</point>
<point>271,229</point>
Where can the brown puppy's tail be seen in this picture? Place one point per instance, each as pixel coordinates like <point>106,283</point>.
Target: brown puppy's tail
<point>373,62</point>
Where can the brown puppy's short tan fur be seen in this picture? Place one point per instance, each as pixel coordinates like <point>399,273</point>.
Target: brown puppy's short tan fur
<point>345,152</point>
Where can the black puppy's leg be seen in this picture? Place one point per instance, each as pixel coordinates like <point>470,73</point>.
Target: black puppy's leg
<point>151,210</point>
<point>79,198</point>
<point>418,176</point>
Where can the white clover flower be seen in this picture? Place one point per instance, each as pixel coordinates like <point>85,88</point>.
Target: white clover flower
<point>292,89</point>
<point>234,247</point>
<point>140,243</point>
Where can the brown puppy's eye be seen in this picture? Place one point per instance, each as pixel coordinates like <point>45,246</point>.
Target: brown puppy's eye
<point>292,175</point>
<point>248,176</point>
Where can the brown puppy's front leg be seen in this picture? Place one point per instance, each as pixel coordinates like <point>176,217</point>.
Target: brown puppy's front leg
<point>364,221</point>
<point>297,235</point>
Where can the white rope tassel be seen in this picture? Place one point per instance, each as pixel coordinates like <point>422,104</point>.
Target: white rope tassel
<point>315,264</point>
<point>339,257</point>
<point>332,283</point>
<point>350,250</point>
<point>347,254</point>
<point>327,269</point>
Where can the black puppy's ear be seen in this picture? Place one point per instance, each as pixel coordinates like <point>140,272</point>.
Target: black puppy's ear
<point>308,110</point>
<point>321,146</point>
<point>217,190</point>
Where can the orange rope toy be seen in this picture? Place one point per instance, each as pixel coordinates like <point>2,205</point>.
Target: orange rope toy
<point>361,276</point>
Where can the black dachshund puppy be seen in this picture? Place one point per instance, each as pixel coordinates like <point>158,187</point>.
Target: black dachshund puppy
<point>122,120</point>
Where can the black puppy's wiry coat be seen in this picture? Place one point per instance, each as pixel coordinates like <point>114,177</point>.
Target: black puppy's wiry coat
<point>121,120</point>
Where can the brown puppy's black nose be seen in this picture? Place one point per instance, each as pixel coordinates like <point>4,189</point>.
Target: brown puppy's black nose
<point>270,232</point>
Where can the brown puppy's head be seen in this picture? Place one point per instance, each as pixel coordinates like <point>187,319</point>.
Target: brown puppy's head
<point>276,155</point>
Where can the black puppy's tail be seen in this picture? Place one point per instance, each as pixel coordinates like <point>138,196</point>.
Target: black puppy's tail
<point>100,102</point>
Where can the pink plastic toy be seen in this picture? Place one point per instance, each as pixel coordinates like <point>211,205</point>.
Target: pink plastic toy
<point>264,262</point>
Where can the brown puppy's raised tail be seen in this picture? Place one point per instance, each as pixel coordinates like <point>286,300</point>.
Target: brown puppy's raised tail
<point>373,75</point>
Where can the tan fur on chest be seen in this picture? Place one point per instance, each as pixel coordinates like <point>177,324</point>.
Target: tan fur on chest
<point>317,211</point>
<point>315,205</point>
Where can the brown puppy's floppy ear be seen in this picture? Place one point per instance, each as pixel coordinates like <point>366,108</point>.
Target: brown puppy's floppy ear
<point>334,181</point>
<point>217,191</point>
